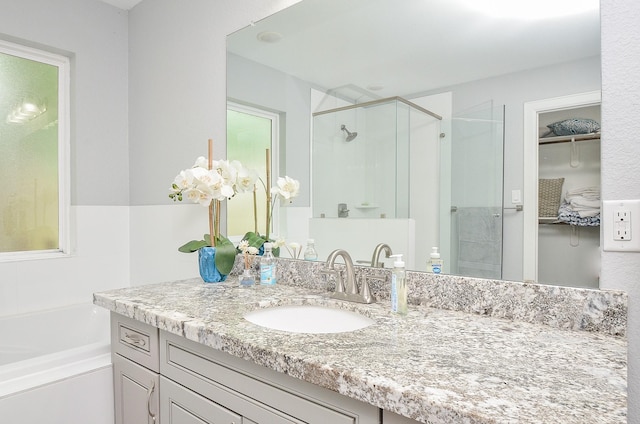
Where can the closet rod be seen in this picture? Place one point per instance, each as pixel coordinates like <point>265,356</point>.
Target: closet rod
<point>568,138</point>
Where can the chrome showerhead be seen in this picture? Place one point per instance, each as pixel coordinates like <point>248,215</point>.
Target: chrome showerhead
<point>350,135</point>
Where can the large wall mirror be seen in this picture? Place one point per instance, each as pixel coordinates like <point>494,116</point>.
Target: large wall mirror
<point>475,64</point>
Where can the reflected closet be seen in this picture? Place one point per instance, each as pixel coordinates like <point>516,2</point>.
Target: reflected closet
<point>569,196</point>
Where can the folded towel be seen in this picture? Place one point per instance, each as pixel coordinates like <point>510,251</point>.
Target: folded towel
<point>580,203</point>
<point>591,193</point>
<point>569,216</point>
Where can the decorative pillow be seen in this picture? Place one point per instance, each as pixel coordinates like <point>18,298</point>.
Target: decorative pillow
<point>574,126</point>
<point>549,196</point>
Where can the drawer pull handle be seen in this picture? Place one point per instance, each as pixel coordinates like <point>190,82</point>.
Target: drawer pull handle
<point>135,339</point>
<point>149,393</point>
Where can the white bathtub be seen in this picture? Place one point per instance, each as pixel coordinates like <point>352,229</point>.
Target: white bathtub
<point>55,367</point>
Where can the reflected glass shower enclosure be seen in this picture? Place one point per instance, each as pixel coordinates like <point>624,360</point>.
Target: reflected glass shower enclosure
<point>362,158</point>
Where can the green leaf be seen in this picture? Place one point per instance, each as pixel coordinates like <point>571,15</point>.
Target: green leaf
<point>225,255</point>
<point>254,239</point>
<point>192,246</point>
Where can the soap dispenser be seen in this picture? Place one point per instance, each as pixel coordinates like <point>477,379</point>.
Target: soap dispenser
<point>398,286</point>
<point>435,263</point>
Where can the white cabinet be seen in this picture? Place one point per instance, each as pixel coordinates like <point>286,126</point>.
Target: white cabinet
<point>182,406</point>
<point>163,378</point>
<point>256,393</point>
<point>136,381</point>
<point>136,392</point>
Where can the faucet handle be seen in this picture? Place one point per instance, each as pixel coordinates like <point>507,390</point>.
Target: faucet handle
<point>365,292</point>
<point>339,283</point>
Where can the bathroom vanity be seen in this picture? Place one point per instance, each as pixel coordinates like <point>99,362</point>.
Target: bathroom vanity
<point>184,353</point>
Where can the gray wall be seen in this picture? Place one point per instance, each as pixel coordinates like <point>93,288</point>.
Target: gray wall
<point>177,85</point>
<point>254,84</point>
<point>94,35</point>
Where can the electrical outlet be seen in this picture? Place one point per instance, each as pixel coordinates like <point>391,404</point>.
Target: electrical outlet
<point>618,231</point>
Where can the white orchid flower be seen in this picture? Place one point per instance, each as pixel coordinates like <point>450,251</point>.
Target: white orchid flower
<point>279,242</point>
<point>287,188</point>
<point>246,179</point>
<point>252,250</point>
<point>227,170</point>
<point>201,162</point>
<point>198,196</point>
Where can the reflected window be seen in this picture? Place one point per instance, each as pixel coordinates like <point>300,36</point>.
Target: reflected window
<point>33,149</point>
<point>250,132</point>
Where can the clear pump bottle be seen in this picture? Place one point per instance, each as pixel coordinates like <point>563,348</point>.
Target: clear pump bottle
<point>310,253</point>
<point>435,263</point>
<point>267,266</point>
<point>398,287</point>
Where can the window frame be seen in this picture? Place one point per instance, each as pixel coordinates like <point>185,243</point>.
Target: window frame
<point>64,146</point>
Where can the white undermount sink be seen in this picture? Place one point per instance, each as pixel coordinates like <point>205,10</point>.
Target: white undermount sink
<point>308,319</point>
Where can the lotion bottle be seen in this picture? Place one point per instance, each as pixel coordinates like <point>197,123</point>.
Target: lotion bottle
<point>267,266</point>
<point>398,286</point>
<point>435,263</point>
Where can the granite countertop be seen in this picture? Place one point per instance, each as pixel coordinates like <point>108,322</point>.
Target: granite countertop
<point>433,365</point>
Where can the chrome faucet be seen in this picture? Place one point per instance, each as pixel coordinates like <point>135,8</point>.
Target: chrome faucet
<point>375,260</point>
<point>343,212</point>
<point>347,289</point>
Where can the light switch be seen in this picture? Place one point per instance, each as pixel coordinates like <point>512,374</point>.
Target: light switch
<point>621,225</point>
<point>516,197</point>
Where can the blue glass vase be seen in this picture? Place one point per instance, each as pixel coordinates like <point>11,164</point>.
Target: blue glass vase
<point>207,264</point>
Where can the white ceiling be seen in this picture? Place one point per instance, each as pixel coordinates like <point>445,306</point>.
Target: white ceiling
<point>123,4</point>
<point>411,46</point>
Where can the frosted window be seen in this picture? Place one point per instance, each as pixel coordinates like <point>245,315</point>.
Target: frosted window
<point>249,134</point>
<point>30,150</point>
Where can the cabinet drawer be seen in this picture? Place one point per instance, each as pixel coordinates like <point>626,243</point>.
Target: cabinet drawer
<point>182,406</point>
<point>213,373</point>
<point>135,340</point>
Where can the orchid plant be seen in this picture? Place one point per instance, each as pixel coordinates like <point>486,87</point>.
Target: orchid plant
<point>209,182</point>
<point>285,190</point>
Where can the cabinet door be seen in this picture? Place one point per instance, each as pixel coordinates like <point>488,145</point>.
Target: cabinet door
<point>181,406</point>
<point>136,392</point>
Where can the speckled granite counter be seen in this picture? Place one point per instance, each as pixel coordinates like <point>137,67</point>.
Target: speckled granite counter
<point>433,365</point>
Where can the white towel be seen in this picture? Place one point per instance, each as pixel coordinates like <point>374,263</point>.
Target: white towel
<point>578,203</point>
<point>591,193</point>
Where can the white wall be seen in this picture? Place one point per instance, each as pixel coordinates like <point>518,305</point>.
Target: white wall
<point>94,36</point>
<point>620,163</point>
